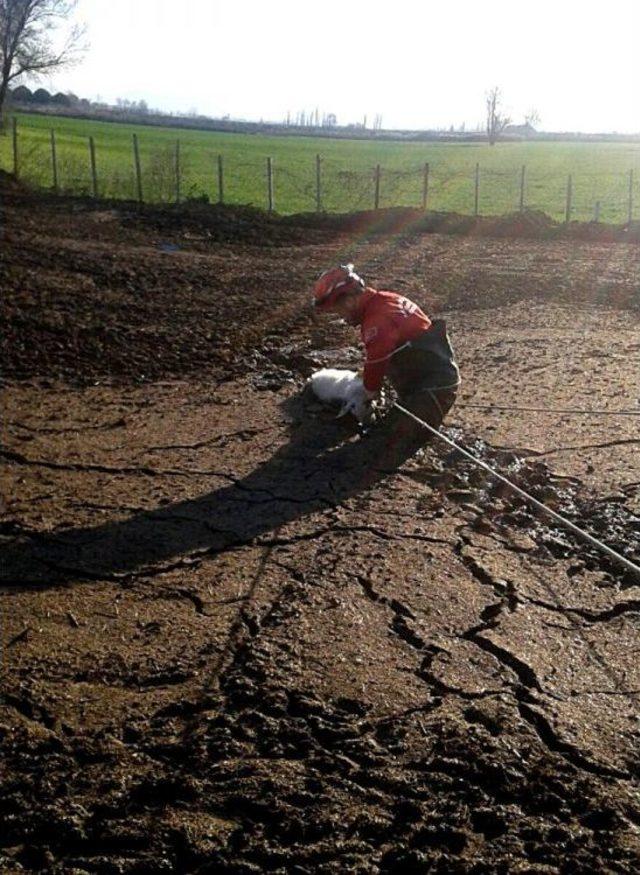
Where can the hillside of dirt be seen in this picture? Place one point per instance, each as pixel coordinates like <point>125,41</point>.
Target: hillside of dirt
<point>232,641</point>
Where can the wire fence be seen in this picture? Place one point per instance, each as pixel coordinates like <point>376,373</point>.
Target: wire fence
<point>142,170</point>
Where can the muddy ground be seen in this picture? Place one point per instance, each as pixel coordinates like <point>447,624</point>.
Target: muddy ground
<point>229,642</point>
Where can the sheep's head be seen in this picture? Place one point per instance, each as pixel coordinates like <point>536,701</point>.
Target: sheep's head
<point>357,403</point>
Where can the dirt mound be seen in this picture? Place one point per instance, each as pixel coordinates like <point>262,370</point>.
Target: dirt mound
<point>215,222</point>
<point>405,222</point>
<point>600,233</point>
<point>531,224</point>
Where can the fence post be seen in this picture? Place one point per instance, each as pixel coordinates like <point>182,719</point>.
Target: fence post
<point>522,172</point>
<point>376,197</point>
<point>54,162</point>
<point>270,184</point>
<point>596,212</point>
<point>318,189</point>
<point>136,158</point>
<point>15,146</point>
<point>567,216</point>
<point>630,196</point>
<point>94,172</point>
<point>177,171</point>
<point>425,187</point>
<point>477,191</point>
<point>220,181</point>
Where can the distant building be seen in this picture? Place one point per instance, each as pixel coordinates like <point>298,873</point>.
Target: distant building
<point>525,130</point>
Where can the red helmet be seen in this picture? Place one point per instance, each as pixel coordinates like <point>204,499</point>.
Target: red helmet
<point>334,283</point>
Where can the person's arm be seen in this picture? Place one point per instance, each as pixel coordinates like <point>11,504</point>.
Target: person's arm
<point>380,343</point>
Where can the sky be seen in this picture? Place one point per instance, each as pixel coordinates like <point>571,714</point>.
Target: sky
<point>420,65</point>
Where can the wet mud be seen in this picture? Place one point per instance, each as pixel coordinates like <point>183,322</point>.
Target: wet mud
<point>231,640</point>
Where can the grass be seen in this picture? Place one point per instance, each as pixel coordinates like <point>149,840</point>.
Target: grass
<point>600,171</point>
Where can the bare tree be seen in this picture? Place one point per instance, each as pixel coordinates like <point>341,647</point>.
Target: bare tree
<point>496,121</point>
<point>532,118</point>
<point>26,44</point>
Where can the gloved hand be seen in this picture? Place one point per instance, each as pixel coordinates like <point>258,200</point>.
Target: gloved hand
<point>370,412</point>
<point>365,406</point>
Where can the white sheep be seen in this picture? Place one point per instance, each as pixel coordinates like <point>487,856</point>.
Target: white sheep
<point>335,386</point>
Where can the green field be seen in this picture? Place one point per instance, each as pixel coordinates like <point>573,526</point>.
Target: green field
<point>600,171</point>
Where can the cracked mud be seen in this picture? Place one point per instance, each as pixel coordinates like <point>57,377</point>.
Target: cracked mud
<point>228,646</point>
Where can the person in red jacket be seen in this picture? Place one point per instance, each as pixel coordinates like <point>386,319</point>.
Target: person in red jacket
<point>400,343</point>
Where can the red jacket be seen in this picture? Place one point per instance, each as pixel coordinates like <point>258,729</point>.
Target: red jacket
<point>387,321</point>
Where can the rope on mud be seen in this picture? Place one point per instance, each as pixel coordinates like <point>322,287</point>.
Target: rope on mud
<point>552,410</point>
<point>630,566</point>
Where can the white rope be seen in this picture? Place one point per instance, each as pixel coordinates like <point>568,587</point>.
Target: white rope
<point>551,410</point>
<point>630,566</point>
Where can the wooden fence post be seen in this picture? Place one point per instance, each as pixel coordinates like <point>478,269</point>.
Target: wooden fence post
<point>425,187</point>
<point>522,172</point>
<point>596,212</point>
<point>476,201</point>
<point>376,196</point>
<point>270,185</point>
<point>15,146</point>
<point>177,164</point>
<point>567,215</point>
<point>630,196</point>
<point>94,172</point>
<point>318,189</point>
<point>220,181</point>
<point>54,162</point>
<point>136,159</point>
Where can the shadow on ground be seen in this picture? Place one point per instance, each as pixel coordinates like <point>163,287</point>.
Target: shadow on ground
<point>323,464</point>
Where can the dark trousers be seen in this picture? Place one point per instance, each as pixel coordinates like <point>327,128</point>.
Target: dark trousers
<point>399,436</point>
